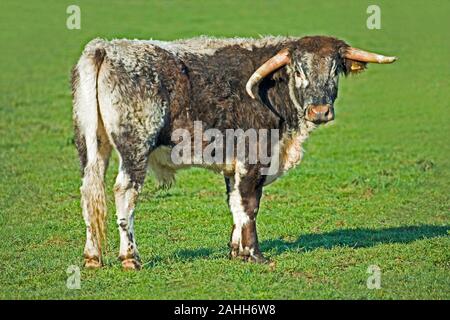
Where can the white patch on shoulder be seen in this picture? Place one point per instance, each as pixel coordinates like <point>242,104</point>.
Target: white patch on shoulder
<point>291,151</point>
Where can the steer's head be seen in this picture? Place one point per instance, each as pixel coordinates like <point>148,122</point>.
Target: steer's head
<point>314,65</point>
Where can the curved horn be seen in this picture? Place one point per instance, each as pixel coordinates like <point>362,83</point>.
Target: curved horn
<point>279,60</point>
<point>365,56</point>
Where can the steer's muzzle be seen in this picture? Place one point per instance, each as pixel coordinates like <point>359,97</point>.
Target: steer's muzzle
<point>319,113</point>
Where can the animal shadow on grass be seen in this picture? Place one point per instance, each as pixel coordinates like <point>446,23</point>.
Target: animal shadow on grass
<point>354,238</point>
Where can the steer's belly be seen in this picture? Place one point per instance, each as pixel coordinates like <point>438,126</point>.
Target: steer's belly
<point>164,165</point>
<point>164,168</point>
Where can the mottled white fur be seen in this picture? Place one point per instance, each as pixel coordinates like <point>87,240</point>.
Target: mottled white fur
<point>125,197</point>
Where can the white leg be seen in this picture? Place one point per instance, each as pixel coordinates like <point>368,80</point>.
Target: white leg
<point>91,251</point>
<point>126,194</point>
<point>240,218</point>
<point>244,198</point>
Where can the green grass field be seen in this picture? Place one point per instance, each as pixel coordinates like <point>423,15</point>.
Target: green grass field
<point>373,188</point>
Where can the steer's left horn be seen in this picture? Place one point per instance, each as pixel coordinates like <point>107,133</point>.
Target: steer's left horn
<point>279,60</point>
<point>365,56</point>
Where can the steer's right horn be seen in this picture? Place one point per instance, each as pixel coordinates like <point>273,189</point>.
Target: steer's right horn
<point>279,60</point>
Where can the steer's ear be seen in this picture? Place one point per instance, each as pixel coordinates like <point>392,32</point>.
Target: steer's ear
<point>356,59</point>
<point>353,66</point>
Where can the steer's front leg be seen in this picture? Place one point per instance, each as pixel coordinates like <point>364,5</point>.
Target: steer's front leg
<point>244,194</point>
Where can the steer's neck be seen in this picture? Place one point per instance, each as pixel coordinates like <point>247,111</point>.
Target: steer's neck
<point>274,90</point>
<point>275,94</point>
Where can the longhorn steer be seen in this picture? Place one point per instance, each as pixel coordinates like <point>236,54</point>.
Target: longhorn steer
<point>133,95</point>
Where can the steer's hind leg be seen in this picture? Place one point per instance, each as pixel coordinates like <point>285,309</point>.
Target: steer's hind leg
<point>244,194</point>
<point>129,181</point>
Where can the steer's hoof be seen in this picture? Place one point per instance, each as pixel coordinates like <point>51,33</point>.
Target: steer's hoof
<point>234,252</point>
<point>131,264</point>
<point>92,263</point>
<point>255,258</point>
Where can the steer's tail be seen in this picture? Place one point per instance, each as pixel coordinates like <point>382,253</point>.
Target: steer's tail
<point>93,147</point>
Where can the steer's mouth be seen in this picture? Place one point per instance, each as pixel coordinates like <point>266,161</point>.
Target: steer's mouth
<point>319,113</point>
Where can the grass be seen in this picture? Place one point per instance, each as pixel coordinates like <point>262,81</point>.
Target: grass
<point>373,188</point>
